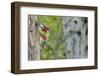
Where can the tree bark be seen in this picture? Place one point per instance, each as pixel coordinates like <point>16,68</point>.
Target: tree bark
<point>75,37</point>
<point>33,42</point>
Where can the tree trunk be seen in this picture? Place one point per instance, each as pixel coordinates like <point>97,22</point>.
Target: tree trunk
<point>75,36</point>
<point>33,42</point>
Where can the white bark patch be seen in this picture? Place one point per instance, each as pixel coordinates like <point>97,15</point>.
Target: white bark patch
<point>75,36</point>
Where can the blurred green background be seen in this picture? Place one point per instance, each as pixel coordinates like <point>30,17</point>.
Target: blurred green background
<point>53,47</point>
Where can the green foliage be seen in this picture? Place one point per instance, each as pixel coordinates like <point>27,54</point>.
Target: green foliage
<point>53,47</point>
